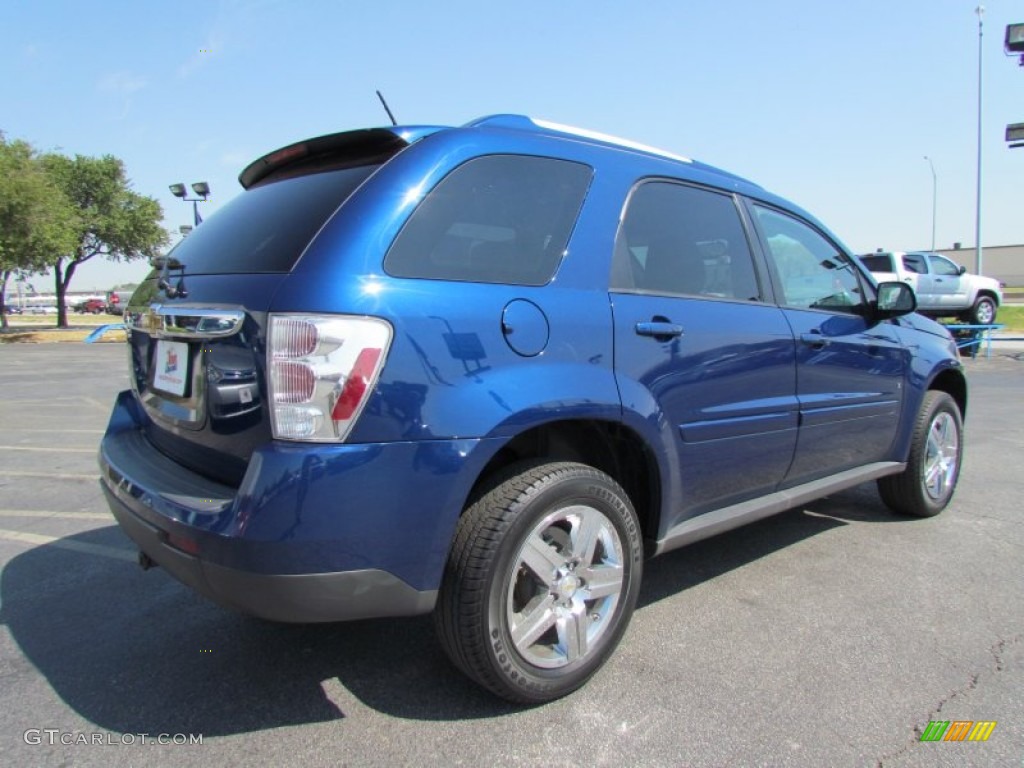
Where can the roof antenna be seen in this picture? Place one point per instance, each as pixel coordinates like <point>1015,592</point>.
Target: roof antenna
<point>386,108</point>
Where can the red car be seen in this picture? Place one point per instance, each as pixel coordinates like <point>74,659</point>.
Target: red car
<point>93,306</point>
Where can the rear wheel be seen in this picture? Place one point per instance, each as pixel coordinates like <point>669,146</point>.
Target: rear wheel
<point>541,581</point>
<point>926,486</point>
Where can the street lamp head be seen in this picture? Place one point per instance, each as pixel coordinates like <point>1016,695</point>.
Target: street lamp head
<point>1014,38</point>
<point>201,188</point>
<point>178,190</point>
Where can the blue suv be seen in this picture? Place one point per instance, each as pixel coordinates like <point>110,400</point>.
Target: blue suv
<point>485,371</point>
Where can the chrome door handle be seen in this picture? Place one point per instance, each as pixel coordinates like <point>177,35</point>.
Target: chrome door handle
<point>815,340</point>
<point>659,330</point>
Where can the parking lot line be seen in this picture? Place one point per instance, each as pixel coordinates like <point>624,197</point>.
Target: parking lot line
<point>49,513</point>
<point>47,475</point>
<point>60,402</point>
<point>56,431</point>
<point>46,450</point>
<point>38,539</point>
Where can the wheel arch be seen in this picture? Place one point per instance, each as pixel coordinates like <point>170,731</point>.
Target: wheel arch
<point>609,446</point>
<point>953,383</point>
<point>988,294</point>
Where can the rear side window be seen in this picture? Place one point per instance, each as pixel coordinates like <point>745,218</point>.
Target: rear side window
<point>678,240</point>
<point>914,262</point>
<point>495,219</point>
<point>266,228</point>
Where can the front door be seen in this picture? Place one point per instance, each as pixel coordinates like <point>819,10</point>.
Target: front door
<point>849,371</point>
<point>950,287</point>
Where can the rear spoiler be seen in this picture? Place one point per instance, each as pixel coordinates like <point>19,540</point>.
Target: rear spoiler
<point>333,150</point>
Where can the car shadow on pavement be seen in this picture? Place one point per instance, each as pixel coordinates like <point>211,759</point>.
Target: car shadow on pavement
<point>679,570</point>
<point>136,652</point>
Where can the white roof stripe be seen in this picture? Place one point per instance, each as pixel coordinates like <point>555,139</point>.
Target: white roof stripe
<point>607,138</point>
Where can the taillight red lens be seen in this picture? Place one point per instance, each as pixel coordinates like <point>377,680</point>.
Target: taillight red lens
<point>355,385</point>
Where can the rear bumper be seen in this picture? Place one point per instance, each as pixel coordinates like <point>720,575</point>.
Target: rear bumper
<point>313,533</point>
<point>304,597</point>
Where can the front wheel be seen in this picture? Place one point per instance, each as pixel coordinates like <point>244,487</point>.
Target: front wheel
<point>541,581</point>
<point>984,311</point>
<point>926,486</point>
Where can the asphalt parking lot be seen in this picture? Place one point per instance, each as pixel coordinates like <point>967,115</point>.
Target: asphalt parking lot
<point>829,635</point>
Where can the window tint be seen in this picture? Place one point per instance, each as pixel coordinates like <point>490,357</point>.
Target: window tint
<point>814,274</point>
<point>941,266</point>
<point>496,219</point>
<point>914,262</point>
<point>681,240</point>
<point>878,262</point>
<point>266,228</point>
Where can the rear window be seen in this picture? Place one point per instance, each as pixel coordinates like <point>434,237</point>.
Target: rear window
<point>266,228</point>
<point>881,262</point>
<point>495,219</point>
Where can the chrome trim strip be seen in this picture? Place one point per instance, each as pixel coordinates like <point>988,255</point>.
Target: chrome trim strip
<point>184,322</point>
<point>720,520</point>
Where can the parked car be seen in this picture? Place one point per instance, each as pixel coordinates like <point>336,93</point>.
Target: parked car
<point>40,309</point>
<point>943,287</point>
<point>116,301</point>
<point>484,371</point>
<point>91,306</point>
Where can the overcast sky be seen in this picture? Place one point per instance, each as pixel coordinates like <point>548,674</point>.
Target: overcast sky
<point>832,104</point>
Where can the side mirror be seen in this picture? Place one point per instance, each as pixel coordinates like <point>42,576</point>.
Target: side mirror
<point>963,270</point>
<point>895,299</point>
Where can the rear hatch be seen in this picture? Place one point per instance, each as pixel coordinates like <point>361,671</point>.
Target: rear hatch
<point>198,325</point>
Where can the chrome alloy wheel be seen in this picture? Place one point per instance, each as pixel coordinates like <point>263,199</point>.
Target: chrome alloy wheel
<point>985,313</point>
<point>565,585</point>
<point>941,456</point>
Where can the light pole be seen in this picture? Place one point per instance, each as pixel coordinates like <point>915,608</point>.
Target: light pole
<point>201,188</point>
<point>935,188</point>
<point>980,10</point>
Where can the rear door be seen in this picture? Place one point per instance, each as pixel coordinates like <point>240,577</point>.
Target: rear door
<point>920,278</point>
<point>698,348</point>
<point>849,371</point>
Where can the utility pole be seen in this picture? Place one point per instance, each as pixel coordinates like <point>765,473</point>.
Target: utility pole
<point>935,188</point>
<point>980,10</point>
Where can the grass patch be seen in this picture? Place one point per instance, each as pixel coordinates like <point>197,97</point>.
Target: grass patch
<point>51,335</point>
<point>1011,317</point>
<point>50,321</point>
<point>41,329</point>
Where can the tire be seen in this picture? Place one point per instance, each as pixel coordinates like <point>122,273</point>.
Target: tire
<point>926,486</point>
<point>541,581</point>
<point>984,311</point>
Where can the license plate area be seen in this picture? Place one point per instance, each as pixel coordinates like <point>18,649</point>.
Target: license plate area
<point>171,367</point>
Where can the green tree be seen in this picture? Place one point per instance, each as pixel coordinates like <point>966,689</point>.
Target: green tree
<point>111,220</point>
<point>36,221</point>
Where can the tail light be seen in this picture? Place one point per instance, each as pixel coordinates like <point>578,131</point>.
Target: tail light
<point>323,369</point>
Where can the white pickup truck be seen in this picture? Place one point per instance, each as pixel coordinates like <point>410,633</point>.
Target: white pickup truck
<point>943,287</point>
